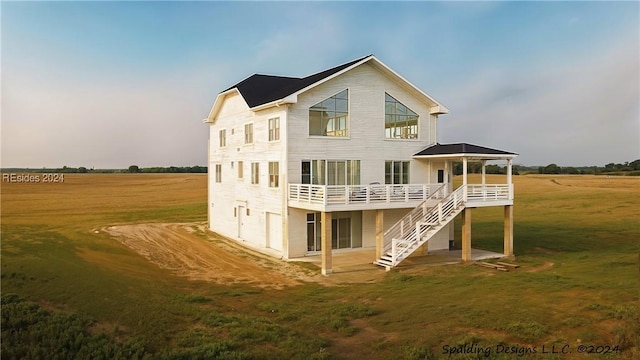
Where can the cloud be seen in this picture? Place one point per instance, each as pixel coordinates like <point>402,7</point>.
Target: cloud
<point>580,113</point>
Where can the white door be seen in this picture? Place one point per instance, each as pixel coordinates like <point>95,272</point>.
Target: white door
<point>274,231</point>
<point>241,213</point>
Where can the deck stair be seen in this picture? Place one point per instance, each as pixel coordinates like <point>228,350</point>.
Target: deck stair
<point>419,225</point>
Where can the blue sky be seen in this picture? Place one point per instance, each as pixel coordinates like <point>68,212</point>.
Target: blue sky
<point>111,84</point>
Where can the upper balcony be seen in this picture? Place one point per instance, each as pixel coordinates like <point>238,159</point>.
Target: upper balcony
<point>380,196</point>
<point>362,197</point>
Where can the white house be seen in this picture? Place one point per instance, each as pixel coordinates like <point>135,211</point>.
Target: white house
<point>341,159</point>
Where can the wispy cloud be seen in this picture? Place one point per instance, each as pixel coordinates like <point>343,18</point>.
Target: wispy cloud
<point>586,112</point>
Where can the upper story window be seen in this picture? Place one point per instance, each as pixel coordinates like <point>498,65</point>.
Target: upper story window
<point>330,117</point>
<point>255,173</point>
<point>218,173</point>
<point>240,169</point>
<point>248,133</point>
<point>274,129</point>
<point>396,172</point>
<point>400,122</point>
<point>274,174</point>
<point>222,135</point>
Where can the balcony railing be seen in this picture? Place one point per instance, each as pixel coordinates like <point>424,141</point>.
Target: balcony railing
<point>489,192</point>
<point>362,194</point>
<point>392,196</point>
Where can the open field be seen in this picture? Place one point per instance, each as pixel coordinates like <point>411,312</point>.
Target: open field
<point>74,250</point>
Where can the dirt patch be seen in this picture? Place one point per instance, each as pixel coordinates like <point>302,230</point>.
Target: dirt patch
<point>360,344</point>
<point>189,250</point>
<point>542,267</point>
<point>180,249</point>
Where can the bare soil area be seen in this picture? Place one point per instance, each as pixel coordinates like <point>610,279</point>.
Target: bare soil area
<point>189,250</point>
<point>182,249</point>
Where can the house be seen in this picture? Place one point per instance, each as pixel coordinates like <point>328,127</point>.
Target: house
<point>345,158</point>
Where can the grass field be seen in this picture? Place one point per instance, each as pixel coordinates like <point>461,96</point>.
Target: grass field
<point>71,292</point>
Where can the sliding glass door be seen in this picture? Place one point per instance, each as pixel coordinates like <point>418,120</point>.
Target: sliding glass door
<point>331,172</point>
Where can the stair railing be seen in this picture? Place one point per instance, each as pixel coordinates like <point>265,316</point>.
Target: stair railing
<point>434,219</point>
<point>405,226</point>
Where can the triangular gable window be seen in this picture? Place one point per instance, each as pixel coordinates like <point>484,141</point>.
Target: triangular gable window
<point>400,122</point>
<point>330,117</point>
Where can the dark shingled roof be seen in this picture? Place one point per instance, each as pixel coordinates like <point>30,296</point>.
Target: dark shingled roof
<point>261,89</point>
<point>460,148</point>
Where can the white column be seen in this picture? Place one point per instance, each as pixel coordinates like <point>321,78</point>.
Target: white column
<point>464,171</point>
<point>484,172</point>
<point>510,179</point>
<point>326,243</point>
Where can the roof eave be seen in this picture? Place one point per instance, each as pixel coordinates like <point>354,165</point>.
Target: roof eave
<point>290,99</point>
<point>468,155</point>
<point>436,109</point>
<point>332,76</point>
<point>217,105</point>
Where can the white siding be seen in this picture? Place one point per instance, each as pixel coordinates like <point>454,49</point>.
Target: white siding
<point>228,196</point>
<point>366,141</point>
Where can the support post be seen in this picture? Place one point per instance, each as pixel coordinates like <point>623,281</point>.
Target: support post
<point>326,243</point>
<point>466,234</point>
<point>510,178</point>
<point>424,249</point>
<point>508,230</point>
<point>484,173</point>
<point>464,171</point>
<point>379,233</point>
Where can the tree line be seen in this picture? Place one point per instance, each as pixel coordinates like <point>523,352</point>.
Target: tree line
<point>131,169</point>
<point>627,168</point>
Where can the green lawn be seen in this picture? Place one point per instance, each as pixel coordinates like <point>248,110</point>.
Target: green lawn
<point>70,292</point>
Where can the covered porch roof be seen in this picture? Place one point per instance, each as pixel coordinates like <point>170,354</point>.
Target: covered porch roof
<point>461,151</point>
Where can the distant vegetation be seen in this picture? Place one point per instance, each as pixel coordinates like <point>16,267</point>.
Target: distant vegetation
<point>628,168</point>
<point>130,169</point>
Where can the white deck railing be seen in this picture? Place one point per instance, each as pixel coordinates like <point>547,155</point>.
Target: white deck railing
<point>489,192</point>
<point>360,194</point>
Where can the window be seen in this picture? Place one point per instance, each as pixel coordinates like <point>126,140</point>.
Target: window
<point>248,133</point>
<point>218,173</point>
<point>223,137</point>
<point>240,170</point>
<point>274,174</point>
<point>274,129</point>
<point>255,173</point>
<point>329,117</point>
<point>400,122</point>
<point>331,172</point>
<point>396,172</point>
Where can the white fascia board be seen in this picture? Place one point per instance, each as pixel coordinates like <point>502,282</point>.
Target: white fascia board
<point>436,109</point>
<point>468,156</point>
<point>332,76</point>
<point>291,99</point>
<point>217,104</point>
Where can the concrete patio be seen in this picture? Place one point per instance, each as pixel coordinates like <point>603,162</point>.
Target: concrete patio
<point>352,260</point>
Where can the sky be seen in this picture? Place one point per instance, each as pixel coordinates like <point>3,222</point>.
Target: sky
<point>114,84</point>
